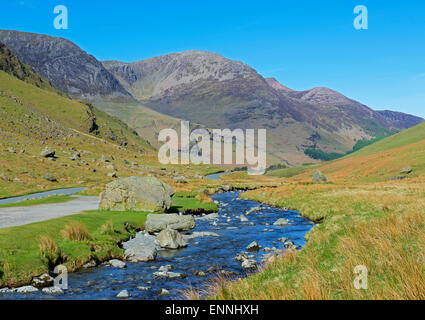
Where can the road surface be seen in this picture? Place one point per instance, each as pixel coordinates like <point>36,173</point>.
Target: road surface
<point>18,216</point>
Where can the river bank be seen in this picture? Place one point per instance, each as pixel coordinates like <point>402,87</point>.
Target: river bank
<point>203,260</point>
<point>380,226</point>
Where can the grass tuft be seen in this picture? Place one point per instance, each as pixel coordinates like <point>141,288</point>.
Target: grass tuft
<point>107,228</point>
<point>50,251</point>
<point>75,232</point>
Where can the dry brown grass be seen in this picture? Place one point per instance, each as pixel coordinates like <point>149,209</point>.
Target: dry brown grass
<point>50,251</point>
<point>75,232</point>
<point>107,228</point>
<point>204,198</point>
<point>380,226</point>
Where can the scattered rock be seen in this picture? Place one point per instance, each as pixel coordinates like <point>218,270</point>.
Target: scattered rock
<point>142,248</point>
<point>75,156</point>
<point>158,222</point>
<point>241,257</point>
<point>253,246</point>
<point>117,263</point>
<point>26,289</point>
<point>124,294</point>
<point>166,268</point>
<point>169,275</point>
<point>90,264</point>
<point>252,210</point>
<point>137,194</point>
<point>112,175</point>
<point>406,170</point>
<point>200,273</point>
<point>164,292</point>
<point>143,288</point>
<point>243,218</point>
<point>181,180</point>
<point>48,152</point>
<point>45,280</point>
<point>50,178</point>
<point>319,176</point>
<point>171,239</point>
<point>5,178</point>
<point>249,264</point>
<point>105,159</point>
<point>52,290</point>
<point>197,234</point>
<point>281,222</point>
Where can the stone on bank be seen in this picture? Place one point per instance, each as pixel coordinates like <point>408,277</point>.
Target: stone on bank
<point>147,194</point>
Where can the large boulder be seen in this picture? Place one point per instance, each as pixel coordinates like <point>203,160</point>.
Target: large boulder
<point>158,222</point>
<point>147,194</point>
<point>319,176</point>
<point>171,239</point>
<point>141,248</point>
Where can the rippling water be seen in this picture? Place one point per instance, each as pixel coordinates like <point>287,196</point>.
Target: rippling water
<point>106,282</point>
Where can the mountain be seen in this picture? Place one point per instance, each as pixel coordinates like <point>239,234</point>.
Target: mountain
<point>327,97</point>
<point>33,108</point>
<point>401,120</point>
<point>35,115</point>
<point>217,92</point>
<point>65,65</point>
<point>10,63</point>
<point>381,161</point>
<point>210,90</point>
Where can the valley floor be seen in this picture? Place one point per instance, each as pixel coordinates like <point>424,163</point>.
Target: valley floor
<point>377,225</point>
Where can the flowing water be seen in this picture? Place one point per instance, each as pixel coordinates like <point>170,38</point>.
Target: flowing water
<point>105,282</point>
<point>39,195</point>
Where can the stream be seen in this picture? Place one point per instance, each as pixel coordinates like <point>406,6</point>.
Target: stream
<point>40,195</point>
<point>202,253</point>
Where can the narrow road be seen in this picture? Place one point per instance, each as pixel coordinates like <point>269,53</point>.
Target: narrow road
<point>18,216</point>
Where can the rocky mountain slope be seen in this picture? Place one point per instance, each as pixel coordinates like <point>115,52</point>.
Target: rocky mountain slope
<point>65,65</point>
<point>10,63</point>
<point>34,117</point>
<point>399,119</point>
<point>207,89</point>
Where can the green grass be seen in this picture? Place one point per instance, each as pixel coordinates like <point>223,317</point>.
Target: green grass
<point>192,204</point>
<point>20,257</point>
<point>288,172</point>
<point>35,202</point>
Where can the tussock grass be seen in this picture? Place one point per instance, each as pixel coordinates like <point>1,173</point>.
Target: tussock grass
<point>380,226</point>
<point>50,251</point>
<point>107,228</point>
<point>204,198</point>
<point>75,232</point>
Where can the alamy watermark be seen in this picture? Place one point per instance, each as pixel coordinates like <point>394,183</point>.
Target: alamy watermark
<point>361,20</point>
<point>214,148</point>
<point>61,20</point>
<point>361,280</point>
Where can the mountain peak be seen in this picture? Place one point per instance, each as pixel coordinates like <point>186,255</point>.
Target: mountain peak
<point>67,66</point>
<point>274,83</point>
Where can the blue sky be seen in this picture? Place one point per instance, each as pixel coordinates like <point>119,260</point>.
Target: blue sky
<point>302,43</point>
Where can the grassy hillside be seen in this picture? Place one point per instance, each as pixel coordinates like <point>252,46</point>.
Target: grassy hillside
<point>33,119</point>
<point>363,219</point>
<point>380,161</point>
<point>11,64</point>
<point>380,226</point>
